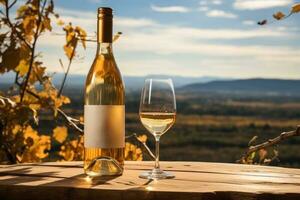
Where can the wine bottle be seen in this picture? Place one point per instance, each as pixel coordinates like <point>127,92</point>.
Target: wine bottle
<point>104,109</point>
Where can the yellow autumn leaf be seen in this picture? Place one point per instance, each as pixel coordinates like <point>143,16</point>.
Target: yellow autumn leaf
<point>29,24</point>
<point>60,133</point>
<point>21,10</point>
<point>68,51</point>
<point>279,15</point>
<point>16,129</point>
<point>30,132</point>
<point>36,145</point>
<point>67,153</point>
<point>82,35</point>
<point>295,8</point>
<point>65,100</point>
<point>70,36</point>
<point>22,68</point>
<point>72,150</point>
<point>142,138</point>
<point>60,22</point>
<point>46,24</point>
<point>44,144</point>
<point>81,119</point>
<point>37,72</point>
<point>132,152</point>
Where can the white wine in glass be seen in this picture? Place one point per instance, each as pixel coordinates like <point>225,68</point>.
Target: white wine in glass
<point>157,114</point>
<point>157,123</point>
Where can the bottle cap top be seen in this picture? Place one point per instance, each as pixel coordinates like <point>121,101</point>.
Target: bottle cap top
<point>105,11</point>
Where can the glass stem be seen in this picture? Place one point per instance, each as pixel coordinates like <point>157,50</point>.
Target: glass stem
<point>157,152</point>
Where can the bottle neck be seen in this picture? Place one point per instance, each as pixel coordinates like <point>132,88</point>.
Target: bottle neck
<point>104,48</point>
<point>104,32</point>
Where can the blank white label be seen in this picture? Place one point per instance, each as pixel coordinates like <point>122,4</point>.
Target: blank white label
<point>104,126</point>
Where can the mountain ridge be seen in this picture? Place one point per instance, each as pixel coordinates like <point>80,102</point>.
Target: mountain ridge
<point>252,85</point>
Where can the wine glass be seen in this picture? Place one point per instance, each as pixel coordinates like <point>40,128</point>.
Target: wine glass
<point>157,113</point>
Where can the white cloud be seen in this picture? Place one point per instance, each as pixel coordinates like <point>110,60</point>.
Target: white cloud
<point>193,41</point>
<point>211,2</point>
<point>133,22</point>
<point>220,13</point>
<point>203,8</point>
<point>216,2</point>
<point>169,9</point>
<point>259,4</point>
<point>249,22</point>
<point>203,3</point>
<point>163,47</point>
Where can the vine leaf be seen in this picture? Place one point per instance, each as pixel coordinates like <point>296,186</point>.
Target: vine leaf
<point>296,8</point>
<point>60,133</point>
<point>82,35</point>
<point>60,22</point>
<point>262,155</point>
<point>35,146</point>
<point>279,15</point>
<point>132,152</point>
<point>263,22</point>
<point>23,67</point>
<point>252,155</point>
<point>142,138</point>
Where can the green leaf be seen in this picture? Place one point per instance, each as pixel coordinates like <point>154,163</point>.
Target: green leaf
<point>252,155</point>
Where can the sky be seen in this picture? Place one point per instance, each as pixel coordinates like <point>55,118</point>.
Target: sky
<point>186,38</point>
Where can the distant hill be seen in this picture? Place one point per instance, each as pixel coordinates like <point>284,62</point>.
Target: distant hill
<point>131,82</point>
<point>257,85</point>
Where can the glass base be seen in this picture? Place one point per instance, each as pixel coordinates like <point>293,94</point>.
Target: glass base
<point>103,166</point>
<point>156,174</point>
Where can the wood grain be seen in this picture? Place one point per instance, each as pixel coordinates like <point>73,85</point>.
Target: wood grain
<point>194,180</point>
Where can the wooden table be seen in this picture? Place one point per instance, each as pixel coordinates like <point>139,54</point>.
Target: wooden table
<point>194,180</point>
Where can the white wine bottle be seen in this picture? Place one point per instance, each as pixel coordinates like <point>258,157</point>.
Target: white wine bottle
<point>104,109</point>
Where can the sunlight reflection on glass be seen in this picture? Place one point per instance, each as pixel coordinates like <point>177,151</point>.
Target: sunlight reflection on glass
<point>88,179</point>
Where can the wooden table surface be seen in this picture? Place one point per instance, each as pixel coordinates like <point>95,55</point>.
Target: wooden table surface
<point>194,180</point>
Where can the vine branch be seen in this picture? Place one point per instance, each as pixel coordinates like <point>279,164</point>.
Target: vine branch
<point>68,69</point>
<point>143,144</point>
<point>72,121</point>
<point>269,143</point>
<point>36,35</point>
<point>17,33</point>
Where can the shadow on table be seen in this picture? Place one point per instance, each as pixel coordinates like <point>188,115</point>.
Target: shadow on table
<point>52,178</point>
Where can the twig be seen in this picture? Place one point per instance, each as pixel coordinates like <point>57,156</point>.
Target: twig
<point>144,145</point>
<point>72,121</point>
<point>68,69</point>
<point>12,4</point>
<point>269,143</point>
<point>7,7</point>
<point>78,38</point>
<point>8,100</point>
<point>33,50</point>
<point>62,65</point>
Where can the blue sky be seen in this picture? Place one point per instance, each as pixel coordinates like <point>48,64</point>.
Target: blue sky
<point>187,37</point>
